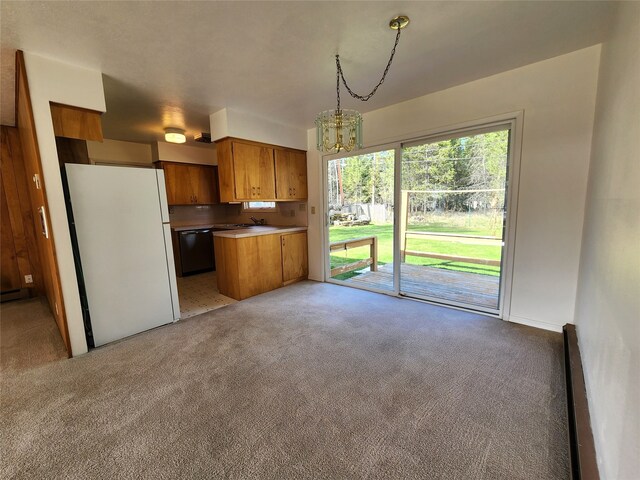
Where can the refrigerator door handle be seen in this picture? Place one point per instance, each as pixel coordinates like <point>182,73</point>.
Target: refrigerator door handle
<point>171,270</point>
<point>162,195</point>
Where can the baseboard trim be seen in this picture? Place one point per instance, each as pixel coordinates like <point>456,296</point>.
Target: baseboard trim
<point>535,323</point>
<point>583,453</point>
<point>17,294</point>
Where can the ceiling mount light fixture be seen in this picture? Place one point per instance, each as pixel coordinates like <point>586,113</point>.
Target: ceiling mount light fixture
<point>174,135</point>
<point>399,22</point>
<point>341,129</point>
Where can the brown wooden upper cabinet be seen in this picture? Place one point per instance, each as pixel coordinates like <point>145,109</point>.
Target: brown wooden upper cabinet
<point>291,174</point>
<point>254,177</point>
<point>189,184</point>
<point>252,171</point>
<point>76,122</point>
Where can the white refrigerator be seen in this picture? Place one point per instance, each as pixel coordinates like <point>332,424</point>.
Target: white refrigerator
<point>119,222</point>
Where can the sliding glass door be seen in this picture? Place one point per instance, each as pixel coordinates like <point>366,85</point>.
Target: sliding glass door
<point>452,218</point>
<point>426,219</point>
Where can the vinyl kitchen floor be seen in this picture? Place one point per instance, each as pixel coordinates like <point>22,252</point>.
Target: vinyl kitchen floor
<point>199,294</point>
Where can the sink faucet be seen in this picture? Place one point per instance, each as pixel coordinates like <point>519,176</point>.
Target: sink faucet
<point>258,222</point>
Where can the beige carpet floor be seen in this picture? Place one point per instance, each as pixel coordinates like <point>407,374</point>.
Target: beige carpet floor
<point>29,336</point>
<point>309,381</point>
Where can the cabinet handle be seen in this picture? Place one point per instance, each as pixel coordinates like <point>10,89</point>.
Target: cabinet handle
<point>195,199</point>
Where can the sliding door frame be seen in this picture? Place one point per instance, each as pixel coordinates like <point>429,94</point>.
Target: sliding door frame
<point>515,120</point>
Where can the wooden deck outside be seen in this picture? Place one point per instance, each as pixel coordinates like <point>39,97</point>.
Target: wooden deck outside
<point>462,287</point>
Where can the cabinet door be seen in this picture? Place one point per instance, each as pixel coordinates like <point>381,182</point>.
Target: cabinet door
<point>204,183</point>
<point>295,263</point>
<point>76,122</point>
<point>259,264</point>
<point>226,184</point>
<point>214,185</point>
<point>178,180</point>
<point>291,175</point>
<point>254,172</point>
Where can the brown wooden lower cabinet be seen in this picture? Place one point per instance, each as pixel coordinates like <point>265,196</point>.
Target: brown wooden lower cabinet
<point>249,266</point>
<point>295,262</point>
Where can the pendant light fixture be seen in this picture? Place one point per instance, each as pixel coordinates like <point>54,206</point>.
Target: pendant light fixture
<point>341,129</point>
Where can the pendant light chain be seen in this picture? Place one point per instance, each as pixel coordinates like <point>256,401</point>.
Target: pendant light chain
<point>364,98</point>
<point>338,130</point>
<point>338,70</point>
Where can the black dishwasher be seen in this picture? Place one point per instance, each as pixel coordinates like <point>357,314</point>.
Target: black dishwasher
<point>196,251</point>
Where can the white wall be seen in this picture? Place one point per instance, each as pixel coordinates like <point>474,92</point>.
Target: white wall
<point>558,100</point>
<point>231,123</point>
<point>53,81</point>
<point>118,152</point>
<point>177,152</point>
<point>144,154</point>
<point>608,299</point>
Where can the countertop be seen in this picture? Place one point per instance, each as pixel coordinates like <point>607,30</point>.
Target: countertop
<point>222,226</point>
<point>257,230</point>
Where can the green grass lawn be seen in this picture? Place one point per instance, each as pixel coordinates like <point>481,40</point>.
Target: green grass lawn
<point>385,246</point>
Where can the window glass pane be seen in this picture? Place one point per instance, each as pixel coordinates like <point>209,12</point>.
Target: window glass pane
<point>259,206</point>
<point>360,191</point>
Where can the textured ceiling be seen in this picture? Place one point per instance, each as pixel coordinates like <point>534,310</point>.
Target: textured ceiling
<point>171,62</point>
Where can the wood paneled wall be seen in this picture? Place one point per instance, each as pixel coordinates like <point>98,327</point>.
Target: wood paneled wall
<point>19,245</point>
<point>9,271</point>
